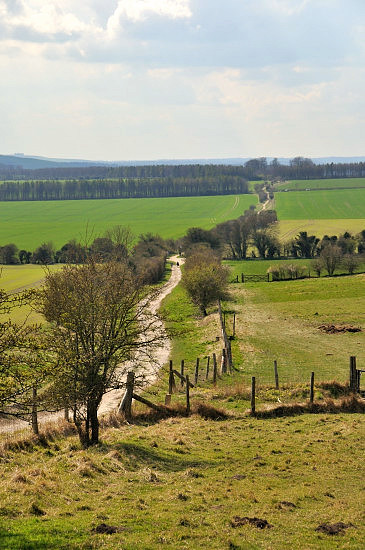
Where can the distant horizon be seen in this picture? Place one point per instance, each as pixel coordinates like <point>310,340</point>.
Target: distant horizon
<point>236,159</point>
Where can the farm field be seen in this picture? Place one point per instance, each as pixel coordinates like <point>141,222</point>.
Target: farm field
<point>15,278</point>
<point>340,183</point>
<point>288,229</point>
<point>28,224</point>
<point>328,212</point>
<point>321,205</point>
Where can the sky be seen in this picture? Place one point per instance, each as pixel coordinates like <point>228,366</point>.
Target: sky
<point>163,79</point>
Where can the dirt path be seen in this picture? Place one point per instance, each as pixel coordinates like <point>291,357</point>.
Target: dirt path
<point>160,355</point>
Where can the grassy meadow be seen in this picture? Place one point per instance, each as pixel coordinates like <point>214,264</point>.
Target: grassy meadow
<point>28,224</point>
<point>330,212</point>
<point>188,483</point>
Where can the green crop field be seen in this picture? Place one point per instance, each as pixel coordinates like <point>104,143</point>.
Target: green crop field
<point>329,212</point>
<point>321,205</point>
<point>14,278</point>
<point>28,224</point>
<point>341,183</point>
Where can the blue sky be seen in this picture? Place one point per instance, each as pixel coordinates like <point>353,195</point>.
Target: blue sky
<point>147,79</point>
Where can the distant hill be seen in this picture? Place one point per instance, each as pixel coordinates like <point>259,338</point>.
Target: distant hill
<point>37,162</point>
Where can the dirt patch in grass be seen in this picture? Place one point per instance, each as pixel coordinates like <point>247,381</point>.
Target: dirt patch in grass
<point>255,522</point>
<point>333,528</point>
<point>337,329</point>
<point>104,529</point>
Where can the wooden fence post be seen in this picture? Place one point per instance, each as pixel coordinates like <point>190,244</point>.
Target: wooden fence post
<point>224,362</point>
<point>187,395</point>
<point>276,375</point>
<point>311,397</point>
<point>207,371</point>
<point>172,385</point>
<point>35,426</point>
<point>182,368</point>
<point>253,395</point>
<point>214,369</point>
<point>237,279</point>
<point>196,371</point>
<point>242,278</point>
<point>234,325</point>
<point>126,404</point>
<point>353,374</point>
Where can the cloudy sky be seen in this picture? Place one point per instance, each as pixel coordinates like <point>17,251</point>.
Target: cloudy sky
<point>148,79</point>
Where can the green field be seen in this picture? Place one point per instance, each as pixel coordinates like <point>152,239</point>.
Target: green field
<point>341,183</point>
<point>321,205</point>
<point>14,278</point>
<point>28,224</point>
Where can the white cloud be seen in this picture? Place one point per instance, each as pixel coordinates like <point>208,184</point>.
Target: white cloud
<point>140,10</point>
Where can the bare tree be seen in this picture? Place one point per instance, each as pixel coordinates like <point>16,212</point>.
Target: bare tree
<point>98,321</point>
<point>331,256</point>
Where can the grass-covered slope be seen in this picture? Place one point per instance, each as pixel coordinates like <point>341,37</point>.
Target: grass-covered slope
<point>181,483</point>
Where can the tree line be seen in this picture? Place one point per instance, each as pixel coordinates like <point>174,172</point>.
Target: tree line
<point>254,169</point>
<point>42,190</point>
<point>146,258</point>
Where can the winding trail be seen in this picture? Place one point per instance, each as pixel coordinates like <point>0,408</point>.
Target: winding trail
<point>159,357</point>
<point>160,354</point>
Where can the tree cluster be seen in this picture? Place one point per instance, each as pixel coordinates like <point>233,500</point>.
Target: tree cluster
<point>234,238</point>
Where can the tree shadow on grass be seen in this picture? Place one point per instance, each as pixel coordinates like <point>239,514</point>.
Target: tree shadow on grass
<point>137,456</point>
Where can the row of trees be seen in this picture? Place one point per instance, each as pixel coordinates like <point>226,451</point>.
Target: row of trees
<point>329,260</point>
<point>254,234</point>
<point>43,190</point>
<point>310,246</point>
<point>254,169</point>
<point>146,258</point>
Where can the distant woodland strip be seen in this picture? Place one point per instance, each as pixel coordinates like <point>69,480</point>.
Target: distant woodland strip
<point>254,169</point>
<point>45,190</point>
